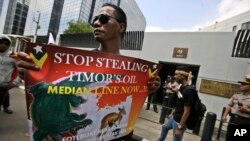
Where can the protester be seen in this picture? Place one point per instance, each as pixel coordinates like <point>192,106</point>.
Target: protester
<point>239,108</point>
<point>171,89</point>
<point>8,78</point>
<point>184,102</point>
<point>152,100</point>
<point>109,27</point>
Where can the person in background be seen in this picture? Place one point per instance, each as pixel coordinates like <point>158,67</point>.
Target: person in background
<point>184,102</point>
<point>8,73</point>
<point>109,26</point>
<point>152,100</point>
<point>239,108</point>
<point>172,88</point>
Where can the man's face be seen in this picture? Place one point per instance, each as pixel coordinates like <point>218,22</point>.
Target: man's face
<point>106,25</point>
<point>4,45</point>
<point>245,87</point>
<point>178,77</point>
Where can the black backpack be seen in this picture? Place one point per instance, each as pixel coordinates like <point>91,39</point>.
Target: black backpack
<point>198,109</point>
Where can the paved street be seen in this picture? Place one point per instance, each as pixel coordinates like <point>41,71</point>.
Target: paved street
<point>14,127</point>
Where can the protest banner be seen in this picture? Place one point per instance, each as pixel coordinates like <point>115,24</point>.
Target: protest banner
<point>84,95</point>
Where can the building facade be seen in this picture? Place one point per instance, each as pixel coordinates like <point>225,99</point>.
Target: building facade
<point>240,25</point>
<point>235,23</point>
<point>74,10</point>
<point>54,15</point>
<point>13,14</point>
<point>84,11</point>
<point>210,54</point>
<point>44,17</point>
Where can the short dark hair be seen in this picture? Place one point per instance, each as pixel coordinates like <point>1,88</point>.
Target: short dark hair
<point>6,40</point>
<point>183,68</point>
<point>119,13</point>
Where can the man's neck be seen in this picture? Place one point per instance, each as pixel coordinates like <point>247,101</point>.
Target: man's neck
<point>184,83</point>
<point>110,47</point>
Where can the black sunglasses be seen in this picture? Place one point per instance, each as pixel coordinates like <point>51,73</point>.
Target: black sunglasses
<point>103,19</point>
<point>5,42</point>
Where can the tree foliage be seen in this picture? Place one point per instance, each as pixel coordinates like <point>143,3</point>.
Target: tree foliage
<point>77,27</point>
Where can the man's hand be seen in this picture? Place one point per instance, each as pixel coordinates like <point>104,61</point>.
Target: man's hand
<point>11,85</point>
<point>154,83</point>
<point>178,133</point>
<point>26,63</point>
<point>224,118</point>
<point>244,109</point>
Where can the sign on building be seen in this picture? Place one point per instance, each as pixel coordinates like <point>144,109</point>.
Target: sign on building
<point>180,53</point>
<point>218,88</point>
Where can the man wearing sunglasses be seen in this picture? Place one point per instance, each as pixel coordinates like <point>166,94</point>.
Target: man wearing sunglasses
<point>109,26</point>
<point>8,67</point>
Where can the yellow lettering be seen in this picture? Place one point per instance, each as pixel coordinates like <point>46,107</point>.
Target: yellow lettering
<point>109,90</point>
<point>116,90</point>
<point>130,89</point>
<point>78,90</point>
<point>96,90</point>
<point>68,90</point>
<point>124,90</point>
<point>52,90</point>
<point>86,90</point>
<point>61,90</point>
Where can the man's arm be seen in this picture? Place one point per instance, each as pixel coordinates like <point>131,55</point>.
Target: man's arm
<point>227,111</point>
<point>185,115</point>
<point>244,109</point>
<point>178,131</point>
<point>25,63</point>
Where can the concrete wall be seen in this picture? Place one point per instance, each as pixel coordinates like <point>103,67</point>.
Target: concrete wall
<point>211,50</point>
<point>228,24</point>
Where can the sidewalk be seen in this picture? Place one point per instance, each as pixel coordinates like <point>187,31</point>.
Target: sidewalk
<point>14,127</point>
<point>149,128</point>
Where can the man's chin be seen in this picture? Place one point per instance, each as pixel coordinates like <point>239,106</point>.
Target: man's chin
<point>179,81</point>
<point>98,38</point>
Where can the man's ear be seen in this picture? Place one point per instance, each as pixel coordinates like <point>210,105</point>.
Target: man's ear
<point>122,27</point>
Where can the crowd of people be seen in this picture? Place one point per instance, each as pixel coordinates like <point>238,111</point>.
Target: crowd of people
<point>109,26</point>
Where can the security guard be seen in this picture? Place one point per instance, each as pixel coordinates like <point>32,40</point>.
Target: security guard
<point>238,108</point>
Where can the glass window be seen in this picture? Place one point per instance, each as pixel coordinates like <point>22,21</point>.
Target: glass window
<point>245,26</point>
<point>234,28</point>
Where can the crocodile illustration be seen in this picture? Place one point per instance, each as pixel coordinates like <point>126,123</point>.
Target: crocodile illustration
<point>51,113</point>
